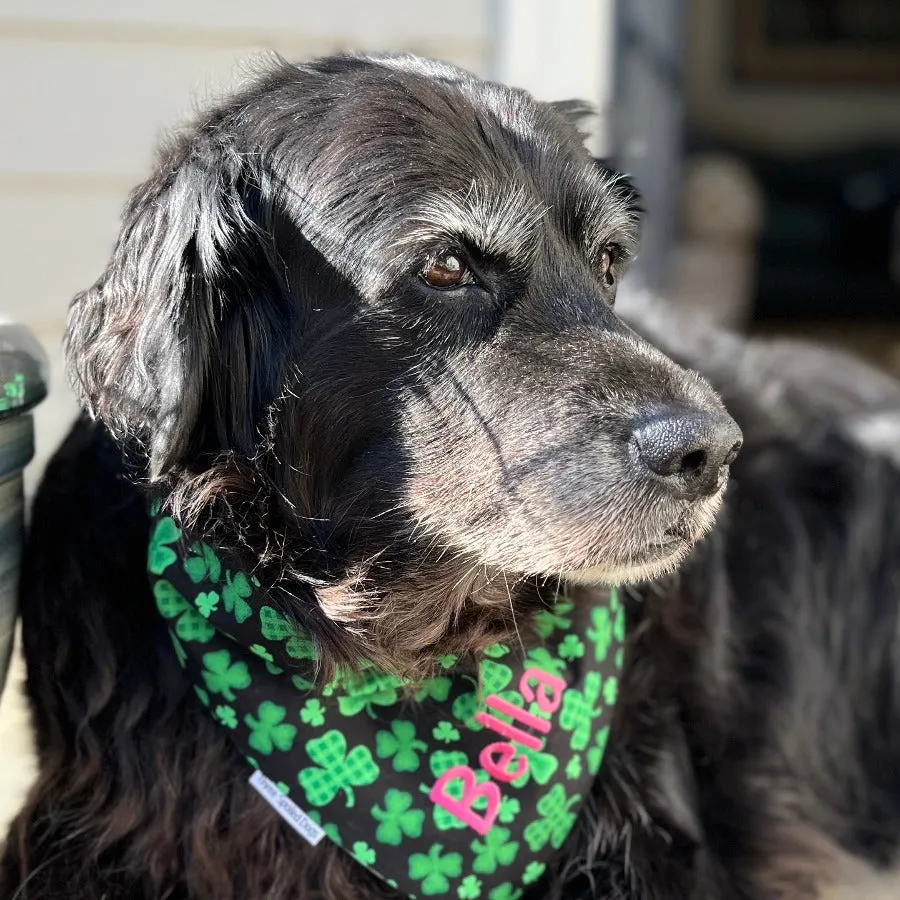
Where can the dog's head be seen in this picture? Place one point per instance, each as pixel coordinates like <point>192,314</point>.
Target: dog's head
<point>362,316</point>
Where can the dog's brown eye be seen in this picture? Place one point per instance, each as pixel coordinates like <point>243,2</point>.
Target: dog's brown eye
<point>446,271</point>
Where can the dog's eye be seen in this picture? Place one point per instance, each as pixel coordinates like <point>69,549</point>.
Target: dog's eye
<point>446,271</point>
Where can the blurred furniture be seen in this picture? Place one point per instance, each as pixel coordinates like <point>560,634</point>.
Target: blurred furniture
<point>23,378</point>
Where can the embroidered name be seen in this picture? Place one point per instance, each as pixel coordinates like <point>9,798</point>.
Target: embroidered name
<point>500,759</point>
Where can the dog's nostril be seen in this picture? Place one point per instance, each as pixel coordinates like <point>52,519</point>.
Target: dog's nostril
<point>688,450</point>
<point>693,464</point>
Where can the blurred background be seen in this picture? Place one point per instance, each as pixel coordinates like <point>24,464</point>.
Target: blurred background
<point>764,135</point>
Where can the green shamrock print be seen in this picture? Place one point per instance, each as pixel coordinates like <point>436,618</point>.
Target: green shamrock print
<point>541,658</point>
<point>160,556</point>
<point>363,853</point>
<point>445,732</point>
<point>601,632</point>
<point>269,730</point>
<point>579,709</point>
<point>533,871</point>
<point>336,769</point>
<point>469,888</point>
<point>275,627</point>
<point>548,620</point>
<point>556,819</point>
<point>571,647</point>
<point>234,592</point>
<point>368,690</point>
<point>435,869</point>
<point>573,767</point>
<point>397,819</point>
<point>189,624</point>
<point>495,678</point>
<point>440,761</point>
<point>541,766</point>
<point>224,677</point>
<point>203,564</point>
<point>227,716</point>
<point>437,689</point>
<point>206,603</point>
<point>497,651</point>
<point>401,744</point>
<point>313,713</point>
<point>505,891</point>
<point>509,809</point>
<point>595,753</point>
<point>610,690</point>
<point>496,849</point>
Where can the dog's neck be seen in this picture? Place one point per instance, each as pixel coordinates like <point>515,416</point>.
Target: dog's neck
<point>462,771</point>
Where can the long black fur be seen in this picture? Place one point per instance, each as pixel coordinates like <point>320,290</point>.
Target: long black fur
<point>262,354</point>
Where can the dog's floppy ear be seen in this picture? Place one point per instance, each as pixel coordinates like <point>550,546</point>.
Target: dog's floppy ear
<point>182,341</point>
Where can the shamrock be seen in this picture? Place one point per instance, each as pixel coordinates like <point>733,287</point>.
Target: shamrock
<point>275,627</point>
<point>548,620</point>
<point>496,651</point>
<point>505,891</point>
<point>222,676</point>
<point>189,624</point>
<point>364,691</point>
<point>571,647</point>
<point>541,766</point>
<point>509,809</point>
<point>541,658</point>
<point>447,661</point>
<point>397,818</point>
<point>363,853</point>
<point>573,767</point>
<point>469,888</point>
<point>227,716</point>
<point>601,632</point>
<point>234,591</point>
<point>206,603</point>
<point>336,769</point>
<point>533,871</point>
<point>494,678</point>
<point>160,556</point>
<point>313,713</point>
<point>444,731</point>
<point>267,658</point>
<point>435,869</point>
<point>556,819</point>
<point>595,754</point>
<point>579,710</point>
<point>269,730</point>
<point>400,743</point>
<point>495,850</point>
<point>434,689</point>
<point>203,563</point>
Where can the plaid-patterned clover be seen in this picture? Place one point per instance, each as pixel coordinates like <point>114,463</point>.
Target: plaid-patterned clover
<point>204,563</point>
<point>557,819</point>
<point>336,769</point>
<point>160,556</point>
<point>275,627</point>
<point>189,624</point>
<point>580,708</point>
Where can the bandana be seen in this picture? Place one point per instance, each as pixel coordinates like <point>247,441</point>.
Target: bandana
<point>463,786</point>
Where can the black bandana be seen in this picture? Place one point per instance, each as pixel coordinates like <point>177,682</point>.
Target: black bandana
<point>464,788</point>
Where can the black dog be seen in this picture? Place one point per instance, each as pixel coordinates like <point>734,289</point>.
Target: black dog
<point>357,334</point>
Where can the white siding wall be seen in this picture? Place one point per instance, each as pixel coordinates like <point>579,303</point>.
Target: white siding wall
<point>87,87</point>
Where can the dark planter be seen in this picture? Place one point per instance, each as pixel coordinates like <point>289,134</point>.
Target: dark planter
<point>23,384</point>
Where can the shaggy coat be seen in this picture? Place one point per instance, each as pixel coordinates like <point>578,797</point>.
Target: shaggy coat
<point>358,329</point>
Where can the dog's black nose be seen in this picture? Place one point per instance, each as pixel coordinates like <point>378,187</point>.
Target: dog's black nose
<point>689,450</point>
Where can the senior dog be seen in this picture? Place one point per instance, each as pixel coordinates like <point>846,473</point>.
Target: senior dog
<point>354,376</point>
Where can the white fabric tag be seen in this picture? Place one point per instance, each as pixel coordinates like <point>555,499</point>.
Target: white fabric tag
<point>286,808</point>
